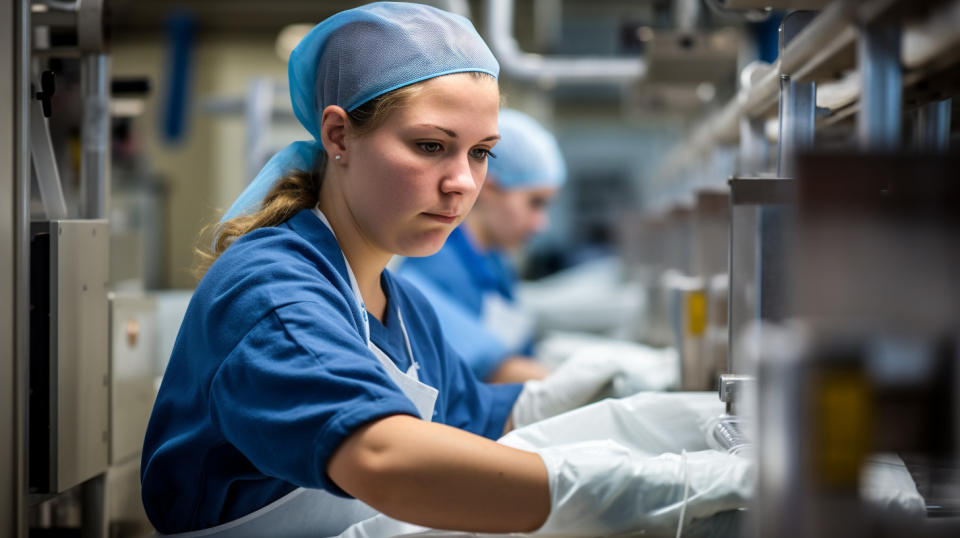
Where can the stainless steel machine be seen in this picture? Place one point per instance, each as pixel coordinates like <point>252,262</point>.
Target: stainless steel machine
<point>873,360</point>
<point>843,310</point>
<point>67,384</point>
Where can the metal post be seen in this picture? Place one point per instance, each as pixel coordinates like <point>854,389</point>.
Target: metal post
<point>8,136</point>
<point>932,126</point>
<point>95,166</point>
<point>752,162</point>
<point>798,101</point>
<point>881,92</point>
<point>753,147</point>
<point>23,49</point>
<point>798,105</point>
<point>94,508</point>
<point>14,271</point>
<point>753,138</point>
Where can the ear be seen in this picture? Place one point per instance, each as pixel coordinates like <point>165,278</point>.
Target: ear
<point>333,128</point>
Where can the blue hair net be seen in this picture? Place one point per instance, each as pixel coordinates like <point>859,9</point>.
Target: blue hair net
<point>358,55</point>
<point>528,156</point>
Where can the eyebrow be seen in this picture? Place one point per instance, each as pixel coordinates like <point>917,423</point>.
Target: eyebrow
<point>452,134</point>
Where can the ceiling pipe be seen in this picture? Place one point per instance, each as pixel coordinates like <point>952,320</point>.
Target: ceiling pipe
<point>549,71</point>
<point>460,7</point>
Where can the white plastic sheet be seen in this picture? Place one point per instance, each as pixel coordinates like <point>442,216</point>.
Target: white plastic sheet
<point>640,430</point>
<point>645,427</point>
<point>623,465</point>
<point>596,371</point>
<point>557,346</point>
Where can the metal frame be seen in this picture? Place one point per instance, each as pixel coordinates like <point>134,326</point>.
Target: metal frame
<point>750,198</point>
<point>8,408</point>
<point>72,255</point>
<point>798,106</point>
<point>828,45</point>
<point>95,165</point>
<point>761,191</point>
<point>881,86</point>
<point>797,113</point>
<point>798,99</point>
<point>14,269</point>
<point>932,127</point>
<point>21,257</point>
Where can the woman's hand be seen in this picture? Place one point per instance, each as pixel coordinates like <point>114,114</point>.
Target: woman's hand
<point>592,374</point>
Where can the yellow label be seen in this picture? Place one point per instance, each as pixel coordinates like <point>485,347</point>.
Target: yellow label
<point>844,418</point>
<point>696,313</point>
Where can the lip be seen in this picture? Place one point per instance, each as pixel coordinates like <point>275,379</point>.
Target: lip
<point>445,219</point>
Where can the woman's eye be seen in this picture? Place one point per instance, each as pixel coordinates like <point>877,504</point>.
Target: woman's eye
<point>481,154</point>
<point>538,203</point>
<point>430,147</point>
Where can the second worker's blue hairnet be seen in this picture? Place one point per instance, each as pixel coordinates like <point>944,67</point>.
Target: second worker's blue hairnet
<point>528,156</point>
<point>358,55</point>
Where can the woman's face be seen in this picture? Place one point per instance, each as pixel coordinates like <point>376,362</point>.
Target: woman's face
<point>411,181</point>
<point>510,217</point>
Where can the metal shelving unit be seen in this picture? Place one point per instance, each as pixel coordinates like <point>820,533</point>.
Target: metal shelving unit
<point>825,53</point>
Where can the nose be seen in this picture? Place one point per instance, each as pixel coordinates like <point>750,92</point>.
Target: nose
<point>539,221</point>
<point>458,177</point>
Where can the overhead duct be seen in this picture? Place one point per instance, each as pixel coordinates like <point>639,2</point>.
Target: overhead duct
<point>548,71</point>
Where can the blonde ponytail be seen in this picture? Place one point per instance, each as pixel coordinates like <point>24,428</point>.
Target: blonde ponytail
<point>292,193</point>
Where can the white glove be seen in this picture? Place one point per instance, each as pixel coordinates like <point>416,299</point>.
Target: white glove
<point>601,487</point>
<point>593,373</point>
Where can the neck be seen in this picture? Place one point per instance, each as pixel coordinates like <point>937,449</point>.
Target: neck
<point>366,260</point>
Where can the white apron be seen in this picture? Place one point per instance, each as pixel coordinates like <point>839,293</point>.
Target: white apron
<point>316,513</point>
<point>508,322</point>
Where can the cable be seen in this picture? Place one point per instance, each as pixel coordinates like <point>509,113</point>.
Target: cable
<point>686,491</point>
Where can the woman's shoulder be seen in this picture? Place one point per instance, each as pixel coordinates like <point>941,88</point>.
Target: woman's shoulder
<point>270,250</point>
<point>274,266</point>
<point>263,276</point>
<point>270,242</point>
<point>301,243</point>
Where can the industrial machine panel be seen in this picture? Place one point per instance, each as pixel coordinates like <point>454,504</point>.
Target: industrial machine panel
<point>132,372</point>
<point>69,370</point>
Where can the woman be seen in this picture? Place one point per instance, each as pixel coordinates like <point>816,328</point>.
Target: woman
<point>308,389</point>
<point>470,281</point>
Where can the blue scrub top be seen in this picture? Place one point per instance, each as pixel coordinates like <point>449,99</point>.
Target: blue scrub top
<point>455,279</point>
<point>270,373</point>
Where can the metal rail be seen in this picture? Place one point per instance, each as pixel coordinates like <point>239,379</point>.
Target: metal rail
<point>14,263</point>
<point>825,49</point>
<point>9,488</point>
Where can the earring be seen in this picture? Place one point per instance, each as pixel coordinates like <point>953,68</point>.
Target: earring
<point>337,157</point>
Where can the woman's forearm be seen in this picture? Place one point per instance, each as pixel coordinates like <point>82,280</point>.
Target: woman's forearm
<point>441,477</point>
<point>517,369</point>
